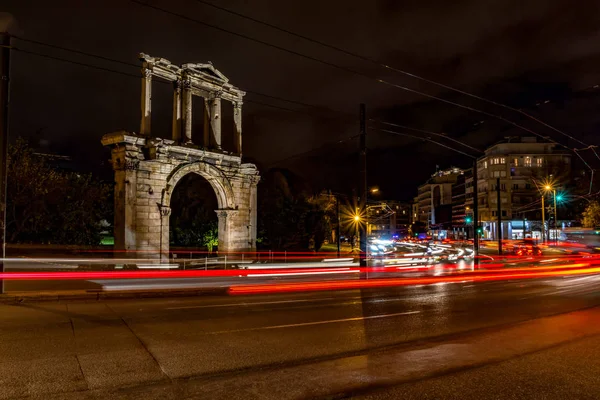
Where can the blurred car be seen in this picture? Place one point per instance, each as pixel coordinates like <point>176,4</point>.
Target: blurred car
<point>526,248</point>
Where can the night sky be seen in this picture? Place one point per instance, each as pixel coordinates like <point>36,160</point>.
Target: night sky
<point>542,56</point>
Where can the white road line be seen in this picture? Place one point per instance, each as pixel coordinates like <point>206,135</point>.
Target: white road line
<point>252,304</point>
<point>332,321</point>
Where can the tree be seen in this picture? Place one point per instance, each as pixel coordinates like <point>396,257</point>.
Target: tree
<point>590,218</point>
<point>289,217</point>
<point>210,237</point>
<point>47,205</point>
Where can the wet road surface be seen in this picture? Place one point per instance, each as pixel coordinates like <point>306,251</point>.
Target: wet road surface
<point>303,345</point>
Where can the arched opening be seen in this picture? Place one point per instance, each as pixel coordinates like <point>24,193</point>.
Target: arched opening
<point>193,222</point>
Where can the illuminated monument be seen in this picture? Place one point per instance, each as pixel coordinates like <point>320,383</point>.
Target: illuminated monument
<point>147,168</point>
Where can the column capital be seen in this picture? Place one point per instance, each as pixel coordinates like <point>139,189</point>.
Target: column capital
<point>164,210</point>
<point>216,95</point>
<point>177,84</point>
<point>226,213</point>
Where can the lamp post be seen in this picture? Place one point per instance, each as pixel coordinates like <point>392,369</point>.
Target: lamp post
<point>550,188</point>
<point>543,221</point>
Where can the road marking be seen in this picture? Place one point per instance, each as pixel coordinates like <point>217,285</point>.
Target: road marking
<point>252,304</point>
<point>332,321</point>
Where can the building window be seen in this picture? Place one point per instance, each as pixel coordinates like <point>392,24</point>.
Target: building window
<point>485,164</point>
<point>403,211</point>
<point>502,160</point>
<point>539,162</point>
<point>504,213</point>
<point>527,186</point>
<point>527,161</point>
<point>503,174</point>
<point>516,162</point>
<point>515,186</point>
<point>503,186</point>
<point>493,213</point>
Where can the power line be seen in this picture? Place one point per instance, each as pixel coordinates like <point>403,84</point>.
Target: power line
<point>83,53</point>
<point>429,133</point>
<point>76,62</point>
<point>280,98</point>
<point>398,70</point>
<point>346,69</point>
<point>54,58</point>
<point>312,150</point>
<point>423,138</point>
<point>87,54</point>
<point>276,97</point>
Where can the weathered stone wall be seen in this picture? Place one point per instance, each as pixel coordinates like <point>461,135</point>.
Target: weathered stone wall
<point>146,173</point>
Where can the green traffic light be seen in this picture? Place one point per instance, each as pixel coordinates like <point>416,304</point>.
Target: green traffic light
<point>468,220</point>
<point>559,197</point>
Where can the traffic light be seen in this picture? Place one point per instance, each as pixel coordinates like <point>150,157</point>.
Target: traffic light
<point>479,230</point>
<point>468,220</point>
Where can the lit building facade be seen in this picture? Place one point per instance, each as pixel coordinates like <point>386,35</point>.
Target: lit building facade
<point>433,204</point>
<point>516,169</point>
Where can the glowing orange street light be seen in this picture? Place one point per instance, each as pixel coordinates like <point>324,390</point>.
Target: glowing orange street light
<point>357,218</point>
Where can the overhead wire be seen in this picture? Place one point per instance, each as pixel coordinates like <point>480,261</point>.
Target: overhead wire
<point>54,58</point>
<point>422,138</point>
<point>333,65</point>
<point>428,132</point>
<point>386,66</point>
<point>293,101</point>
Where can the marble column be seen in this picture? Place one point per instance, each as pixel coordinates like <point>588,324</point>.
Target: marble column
<point>177,111</point>
<point>187,111</point>
<point>146,101</point>
<point>237,128</point>
<point>216,122</point>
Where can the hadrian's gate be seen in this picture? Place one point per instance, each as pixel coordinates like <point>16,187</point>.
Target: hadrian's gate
<point>148,168</point>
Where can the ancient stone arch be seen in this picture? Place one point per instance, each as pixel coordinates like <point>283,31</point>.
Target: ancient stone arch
<point>216,177</point>
<point>148,168</point>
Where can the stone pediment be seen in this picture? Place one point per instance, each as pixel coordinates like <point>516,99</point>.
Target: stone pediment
<point>207,71</point>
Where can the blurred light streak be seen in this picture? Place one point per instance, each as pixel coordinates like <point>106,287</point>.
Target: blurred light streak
<point>391,282</point>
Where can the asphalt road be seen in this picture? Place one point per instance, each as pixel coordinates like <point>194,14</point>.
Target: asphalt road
<point>307,345</point>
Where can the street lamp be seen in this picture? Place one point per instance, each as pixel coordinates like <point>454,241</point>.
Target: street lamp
<point>549,188</point>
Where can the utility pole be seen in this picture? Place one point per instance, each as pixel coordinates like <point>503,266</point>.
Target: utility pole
<point>543,231</point>
<point>555,219</point>
<point>337,228</point>
<point>362,187</point>
<point>475,213</point>
<point>499,211</point>
<point>4,101</point>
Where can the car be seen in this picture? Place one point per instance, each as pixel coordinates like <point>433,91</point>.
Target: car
<point>526,248</point>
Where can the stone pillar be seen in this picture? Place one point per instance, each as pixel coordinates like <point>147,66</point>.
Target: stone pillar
<point>187,111</point>
<point>177,110</point>
<point>146,100</point>
<point>206,130</point>
<point>165,214</point>
<point>125,161</point>
<point>225,231</point>
<point>237,128</point>
<point>253,215</point>
<point>215,122</point>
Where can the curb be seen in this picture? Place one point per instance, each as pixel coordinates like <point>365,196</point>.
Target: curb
<point>115,295</point>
